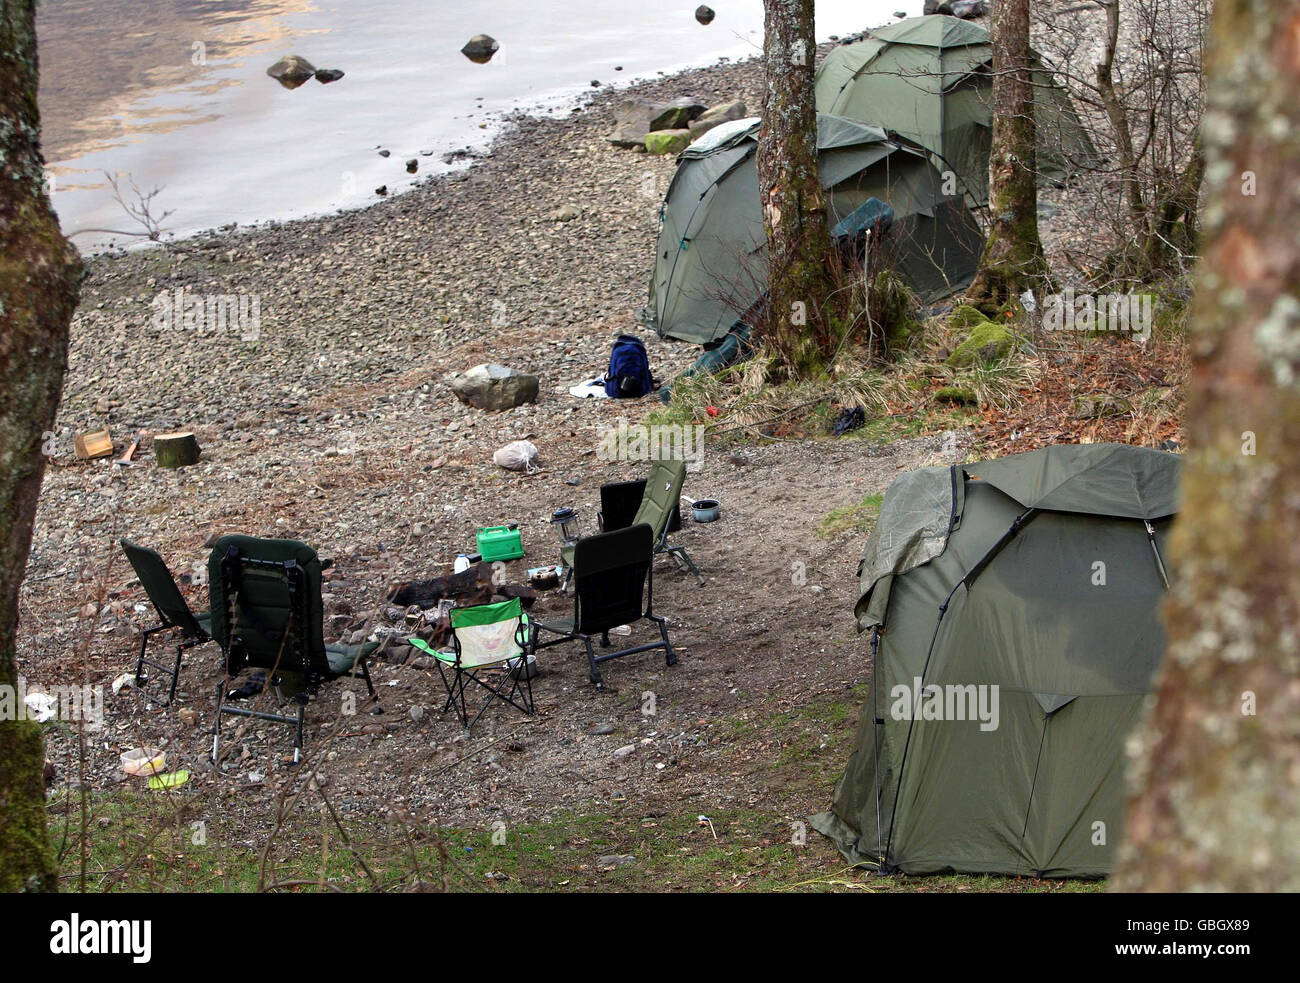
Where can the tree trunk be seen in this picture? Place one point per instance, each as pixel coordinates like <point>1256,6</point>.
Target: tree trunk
<point>1215,782</point>
<point>794,205</point>
<point>1013,259</point>
<point>40,276</point>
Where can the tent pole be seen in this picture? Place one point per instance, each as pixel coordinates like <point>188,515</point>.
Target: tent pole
<point>1160,564</point>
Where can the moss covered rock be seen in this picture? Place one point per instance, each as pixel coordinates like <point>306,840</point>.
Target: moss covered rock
<point>965,317</point>
<point>667,141</point>
<point>959,395</point>
<point>987,341</point>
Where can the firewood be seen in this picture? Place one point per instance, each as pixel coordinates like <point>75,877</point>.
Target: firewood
<point>92,445</point>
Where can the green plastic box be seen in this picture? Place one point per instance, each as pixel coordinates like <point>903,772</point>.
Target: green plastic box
<point>499,543</point>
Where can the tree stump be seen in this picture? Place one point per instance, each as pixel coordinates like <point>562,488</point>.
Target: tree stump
<point>175,450</point>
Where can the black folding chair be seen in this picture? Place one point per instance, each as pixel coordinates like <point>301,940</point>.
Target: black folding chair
<point>173,613</point>
<point>613,586</point>
<point>267,614</point>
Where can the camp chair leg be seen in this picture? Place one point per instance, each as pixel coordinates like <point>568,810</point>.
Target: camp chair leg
<point>670,657</point>
<point>591,659</point>
<point>604,640</point>
<point>174,670</point>
<point>679,554</point>
<point>365,674</point>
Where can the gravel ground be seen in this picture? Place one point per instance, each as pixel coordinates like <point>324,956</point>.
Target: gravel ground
<point>336,426</point>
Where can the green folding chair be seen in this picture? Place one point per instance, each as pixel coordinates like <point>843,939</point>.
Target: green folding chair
<point>486,639</point>
<point>265,596</point>
<point>659,501</point>
<point>173,613</point>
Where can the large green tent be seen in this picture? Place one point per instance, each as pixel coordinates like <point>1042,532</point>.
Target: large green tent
<point>711,258</point>
<point>1039,574</point>
<point>929,79</point>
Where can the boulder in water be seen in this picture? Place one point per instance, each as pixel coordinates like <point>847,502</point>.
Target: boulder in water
<point>480,49</point>
<point>291,71</point>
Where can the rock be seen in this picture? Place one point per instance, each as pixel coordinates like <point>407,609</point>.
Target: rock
<point>711,117</point>
<point>416,713</point>
<point>958,395</point>
<point>676,115</point>
<point>625,750</point>
<point>615,860</point>
<point>565,213</point>
<point>986,342</point>
<point>936,7</point>
<point>631,123</point>
<point>600,730</point>
<point>495,387</point>
<point>381,190</point>
<point>969,9</point>
<point>480,49</point>
<point>704,14</point>
<point>385,153</point>
<point>327,75</point>
<point>667,141</point>
<point>412,166</point>
<point>1097,405</point>
<point>291,71</point>
<point>900,13</point>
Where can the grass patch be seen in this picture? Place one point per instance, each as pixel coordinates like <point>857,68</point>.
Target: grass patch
<point>859,517</point>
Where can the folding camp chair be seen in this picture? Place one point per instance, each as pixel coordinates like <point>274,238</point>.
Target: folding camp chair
<point>173,612</point>
<point>658,505</point>
<point>486,637</point>
<point>613,585</point>
<point>266,614</point>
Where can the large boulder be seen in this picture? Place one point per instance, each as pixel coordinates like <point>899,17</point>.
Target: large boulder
<point>715,115</point>
<point>970,9</point>
<point>631,123</point>
<point>676,115</point>
<point>292,71</point>
<point>494,387</point>
<point>667,141</point>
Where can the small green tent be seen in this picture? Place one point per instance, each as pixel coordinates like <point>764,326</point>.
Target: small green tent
<point>929,79</point>
<point>1013,607</point>
<point>711,257</point>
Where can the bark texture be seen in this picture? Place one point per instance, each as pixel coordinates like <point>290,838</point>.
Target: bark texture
<point>40,276</point>
<point>794,205</point>
<point>1215,776</point>
<point>1013,259</point>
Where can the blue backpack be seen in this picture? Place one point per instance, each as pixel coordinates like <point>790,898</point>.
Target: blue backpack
<point>629,369</point>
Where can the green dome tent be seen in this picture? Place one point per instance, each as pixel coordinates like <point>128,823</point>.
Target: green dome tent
<point>1013,607</point>
<point>929,80</point>
<point>711,257</point>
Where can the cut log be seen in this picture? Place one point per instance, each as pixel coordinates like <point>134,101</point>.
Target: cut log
<point>92,445</point>
<point>175,450</point>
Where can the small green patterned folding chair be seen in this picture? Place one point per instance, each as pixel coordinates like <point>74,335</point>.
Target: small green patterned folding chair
<point>267,613</point>
<point>173,612</point>
<point>487,640</point>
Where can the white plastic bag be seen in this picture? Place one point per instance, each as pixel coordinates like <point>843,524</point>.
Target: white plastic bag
<point>518,455</point>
